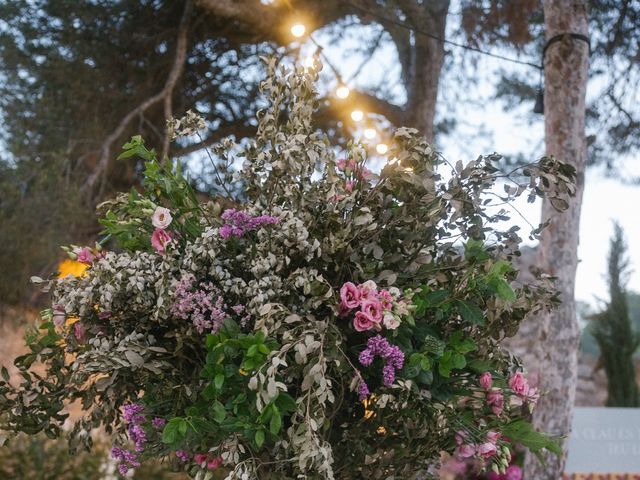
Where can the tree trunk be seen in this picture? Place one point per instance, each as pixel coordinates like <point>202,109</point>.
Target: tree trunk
<point>423,76</point>
<point>566,66</point>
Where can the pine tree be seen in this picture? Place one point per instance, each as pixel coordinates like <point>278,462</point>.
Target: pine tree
<point>614,332</point>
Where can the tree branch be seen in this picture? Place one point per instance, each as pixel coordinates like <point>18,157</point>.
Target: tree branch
<point>167,91</point>
<point>238,129</point>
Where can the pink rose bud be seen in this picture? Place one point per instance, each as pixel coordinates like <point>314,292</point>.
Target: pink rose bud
<point>493,437</point>
<point>486,380</point>
<point>215,463</point>
<point>495,400</point>
<point>200,458</point>
<point>518,383</point>
<point>159,240</point>
<point>487,450</point>
<point>363,322</point>
<point>465,451</point>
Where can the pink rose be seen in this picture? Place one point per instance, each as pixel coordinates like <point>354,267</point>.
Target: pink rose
<point>486,380</point>
<point>215,463</point>
<point>465,451</point>
<point>493,437</point>
<point>84,255</point>
<point>363,322</point>
<point>518,383</point>
<point>159,240</point>
<point>80,331</point>
<point>368,290</point>
<point>349,296</point>
<point>495,400</point>
<point>487,450</point>
<point>390,321</point>
<point>461,436</point>
<point>200,458</point>
<point>373,308</point>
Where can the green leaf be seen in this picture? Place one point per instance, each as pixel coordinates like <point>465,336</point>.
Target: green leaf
<point>259,438</point>
<point>522,432</point>
<point>474,251</point>
<point>219,412</point>
<point>503,289</point>
<point>5,374</point>
<point>219,381</point>
<point>276,421</point>
<point>286,402</point>
<point>470,312</point>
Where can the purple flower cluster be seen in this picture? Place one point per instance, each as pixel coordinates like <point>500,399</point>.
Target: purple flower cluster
<point>126,458</point>
<point>202,305</point>
<point>183,456</point>
<point>132,413</point>
<point>239,223</point>
<point>391,354</point>
<point>363,390</point>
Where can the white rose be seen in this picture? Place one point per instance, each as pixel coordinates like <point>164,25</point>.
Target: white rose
<point>161,218</point>
<point>390,321</point>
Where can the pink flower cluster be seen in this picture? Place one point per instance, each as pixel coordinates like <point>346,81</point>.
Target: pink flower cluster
<point>202,459</point>
<point>239,223</point>
<point>351,167</point>
<point>375,307</point>
<point>485,450</point>
<point>203,305</point>
<point>391,355</point>
<point>495,396</point>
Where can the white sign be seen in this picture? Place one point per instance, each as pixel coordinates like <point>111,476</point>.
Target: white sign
<point>604,440</point>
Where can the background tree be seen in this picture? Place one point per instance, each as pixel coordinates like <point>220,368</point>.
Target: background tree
<point>566,73</point>
<point>614,332</point>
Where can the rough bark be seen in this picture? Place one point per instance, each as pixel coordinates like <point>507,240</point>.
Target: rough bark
<point>566,66</point>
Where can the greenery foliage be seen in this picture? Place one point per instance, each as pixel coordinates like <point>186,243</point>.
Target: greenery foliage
<point>228,338</point>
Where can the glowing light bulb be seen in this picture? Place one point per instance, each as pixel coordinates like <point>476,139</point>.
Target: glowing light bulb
<point>298,30</point>
<point>357,115</point>
<point>382,148</point>
<point>370,133</point>
<point>342,91</point>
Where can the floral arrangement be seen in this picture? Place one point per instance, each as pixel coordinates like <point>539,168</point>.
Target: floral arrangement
<point>315,320</point>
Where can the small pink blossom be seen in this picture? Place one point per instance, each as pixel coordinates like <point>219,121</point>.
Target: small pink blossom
<point>513,472</point>
<point>348,186</point>
<point>200,458</point>
<point>487,450</point>
<point>349,296</point>
<point>368,290</point>
<point>532,395</point>
<point>341,164</point>
<point>161,218</point>
<point>461,436</point>
<point>385,299</point>
<point>493,437</point>
<point>390,321</point>
<point>215,463</point>
<point>518,383</point>
<point>59,315</point>
<point>373,308</point>
<point>159,240</point>
<point>486,380</point>
<point>465,451</point>
<point>84,255</point>
<point>363,322</point>
<point>495,400</point>
<point>80,331</point>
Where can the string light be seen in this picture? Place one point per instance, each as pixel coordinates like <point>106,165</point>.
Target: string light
<point>298,30</point>
<point>357,115</point>
<point>370,133</point>
<point>342,91</point>
<point>382,148</point>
